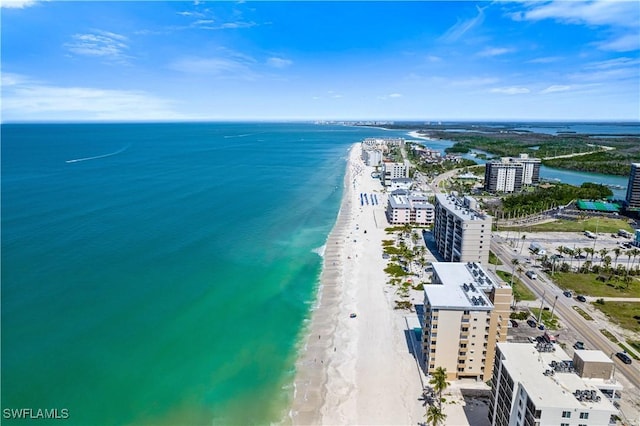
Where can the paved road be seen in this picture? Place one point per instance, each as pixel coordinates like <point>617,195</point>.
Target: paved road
<point>544,288</point>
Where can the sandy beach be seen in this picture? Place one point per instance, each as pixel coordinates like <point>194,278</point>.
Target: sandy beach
<point>357,370</point>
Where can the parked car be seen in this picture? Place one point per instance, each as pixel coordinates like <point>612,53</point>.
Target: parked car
<point>581,298</point>
<point>578,345</point>
<point>624,357</point>
<point>514,323</point>
<point>567,293</point>
<point>531,323</point>
<point>540,326</point>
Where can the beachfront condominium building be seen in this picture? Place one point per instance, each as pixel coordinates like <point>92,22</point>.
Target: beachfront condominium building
<point>462,233</point>
<point>510,174</point>
<point>633,187</point>
<point>372,157</point>
<point>466,311</point>
<point>405,207</point>
<point>392,170</point>
<point>538,385</point>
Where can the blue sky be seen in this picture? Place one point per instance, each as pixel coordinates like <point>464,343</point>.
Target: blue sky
<point>433,60</point>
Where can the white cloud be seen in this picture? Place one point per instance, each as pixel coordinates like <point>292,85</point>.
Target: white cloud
<point>614,13</point>
<point>102,44</point>
<point>555,88</point>
<point>460,28</point>
<point>26,99</point>
<point>395,95</point>
<point>432,58</point>
<point>510,90</point>
<point>278,62</point>
<point>494,51</point>
<point>225,67</point>
<point>544,60</point>
<point>473,81</point>
<point>17,4</point>
<point>625,43</point>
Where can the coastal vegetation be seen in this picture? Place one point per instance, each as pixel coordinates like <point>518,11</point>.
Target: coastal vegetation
<point>608,154</point>
<point>625,314</point>
<point>549,196</point>
<point>598,285</point>
<point>493,259</point>
<point>518,289</point>
<point>438,381</point>
<point>593,224</point>
<point>550,321</point>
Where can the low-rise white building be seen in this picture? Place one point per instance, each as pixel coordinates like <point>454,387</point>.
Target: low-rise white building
<point>391,171</point>
<point>401,183</point>
<point>409,207</point>
<point>538,385</point>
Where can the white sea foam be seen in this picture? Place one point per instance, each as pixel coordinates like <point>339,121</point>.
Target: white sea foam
<point>320,250</point>
<point>99,156</point>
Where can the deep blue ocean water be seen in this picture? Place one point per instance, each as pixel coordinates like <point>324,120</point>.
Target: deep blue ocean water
<point>162,273</point>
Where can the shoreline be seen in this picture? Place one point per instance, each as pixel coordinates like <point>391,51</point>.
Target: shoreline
<point>357,370</point>
<point>310,380</point>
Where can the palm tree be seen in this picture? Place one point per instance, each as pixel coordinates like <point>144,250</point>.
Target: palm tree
<point>578,253</point>
<point>435,416</point>
<point>439,383</point>
<point>616,252</point>
<point>607,262</point>
<point>514,262</point>
<point>603,252</point>
<point>590,251</point>
<point>560,250</point>
<point>524,237</point>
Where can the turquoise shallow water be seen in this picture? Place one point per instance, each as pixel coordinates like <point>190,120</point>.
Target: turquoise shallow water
<point>165,277</point>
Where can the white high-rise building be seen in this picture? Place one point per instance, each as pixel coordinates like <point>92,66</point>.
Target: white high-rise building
<point>461,232</point>
<point>466,311</point>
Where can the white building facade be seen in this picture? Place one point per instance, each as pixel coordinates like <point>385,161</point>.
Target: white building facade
<point>466,312</point>
<point>404,207</point>
<point>462,233</point>
<point>536,385</point>
<point>391,171</point>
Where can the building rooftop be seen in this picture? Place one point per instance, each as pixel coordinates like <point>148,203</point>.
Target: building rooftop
<point>403,199</point>
<point>549,378</point>
<point>458,208</point>
<point>593,356</point>
<point>463,286</point>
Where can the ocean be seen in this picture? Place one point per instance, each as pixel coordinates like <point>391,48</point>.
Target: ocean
<point>163,273</point>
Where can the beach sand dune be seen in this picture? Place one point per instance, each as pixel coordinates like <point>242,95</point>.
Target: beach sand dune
<point>357,370</point>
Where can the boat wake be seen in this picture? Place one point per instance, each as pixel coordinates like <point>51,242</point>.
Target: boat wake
<point>77,160</point>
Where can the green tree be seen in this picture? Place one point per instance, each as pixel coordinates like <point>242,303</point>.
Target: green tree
<point>439,383</point>
<point>603,253</point>
<point>617,252</point>
<point>435,415</point>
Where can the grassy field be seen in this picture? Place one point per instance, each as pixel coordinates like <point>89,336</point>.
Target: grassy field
<point>493,259</point>
<point>520,291</point>
<point>622,313</point>
<point>588,285</point>
<point>603,225</point>
<point>550,323</point>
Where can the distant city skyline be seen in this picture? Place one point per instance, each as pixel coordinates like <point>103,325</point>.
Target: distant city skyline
<point>427,61</point>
